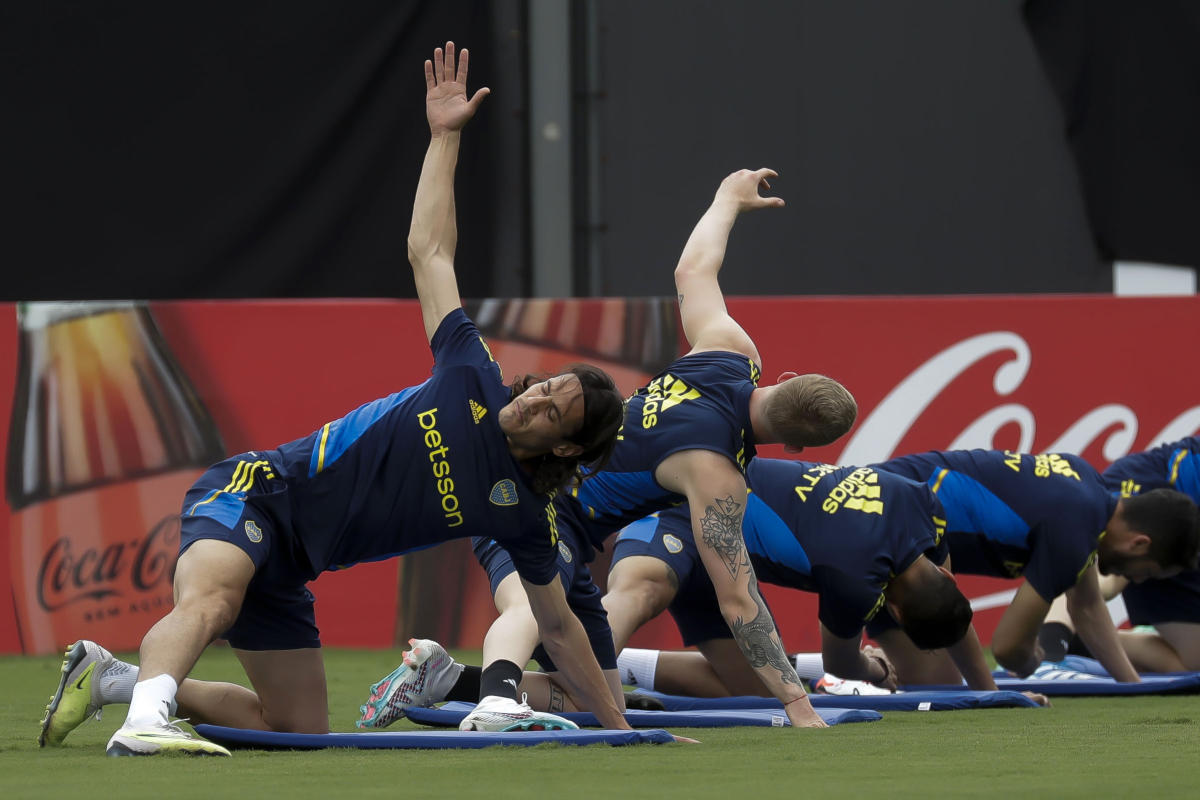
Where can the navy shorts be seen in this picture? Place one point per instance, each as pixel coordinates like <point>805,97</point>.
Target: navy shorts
<point>582,594</point>
<point>243,502</point>
<point>695,609</point>
<point>1169,600</point>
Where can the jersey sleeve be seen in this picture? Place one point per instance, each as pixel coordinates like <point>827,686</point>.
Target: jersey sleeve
<point>1064,548</point>
<point>534,554</point>
<point>457,342</point>
<point>845,602</point>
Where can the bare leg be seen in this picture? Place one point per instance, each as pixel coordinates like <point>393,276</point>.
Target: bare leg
<point>546,691</point>
<point>718,670</point>
<point>1150,652</point>
<point>915,666</point>
<point>210,582</point>
<point>514,634</point>
<point>639,589</point>
<point>1184,638</point>
<point>1058,613</point>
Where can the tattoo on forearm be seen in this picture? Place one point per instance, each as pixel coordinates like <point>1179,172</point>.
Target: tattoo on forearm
<point>759,640</point>
<point>721,529</point>
<point>680,296</point>
<point>557,700</point>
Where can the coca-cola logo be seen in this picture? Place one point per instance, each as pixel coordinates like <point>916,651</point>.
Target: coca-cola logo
<point>888,423</point>
<point>69,575</point>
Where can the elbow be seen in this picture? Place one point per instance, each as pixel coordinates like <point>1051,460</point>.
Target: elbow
<point>738,609</point>
<point>1014,657</point>
<point>684,270</point>
<point>420,249</point>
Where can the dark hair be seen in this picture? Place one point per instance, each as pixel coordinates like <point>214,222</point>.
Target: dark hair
<point>809,411</point>
<point>1172,522</point>
<point>603,413</point>
<point>935,614</point>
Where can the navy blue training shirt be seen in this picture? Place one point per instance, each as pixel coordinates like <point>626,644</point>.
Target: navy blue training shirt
<point>700,402</point>
<point>419,467</point>
<point>1169,466</point>
<point>842,532</point>
<point>1015,514</point>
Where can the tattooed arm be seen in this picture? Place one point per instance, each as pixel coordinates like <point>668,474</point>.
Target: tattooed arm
<point>716,493</point>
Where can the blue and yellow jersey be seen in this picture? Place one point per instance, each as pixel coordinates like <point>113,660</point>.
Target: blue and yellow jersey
<point>700,402</point>
<point>1169,466</point>
<point>842,532</point>
<point>418,467</point>
<point>1014,514</point>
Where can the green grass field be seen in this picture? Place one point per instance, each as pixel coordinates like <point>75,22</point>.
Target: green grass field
<point>1079,748</point>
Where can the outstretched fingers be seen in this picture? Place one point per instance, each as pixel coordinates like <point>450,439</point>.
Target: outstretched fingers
<point>439,65</point>
<point>449,75</point>
<point>463,58</point>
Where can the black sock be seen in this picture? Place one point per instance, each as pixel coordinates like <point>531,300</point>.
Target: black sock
<point>500,679</point>
<point>1055,639</point>
<point>467,687</point>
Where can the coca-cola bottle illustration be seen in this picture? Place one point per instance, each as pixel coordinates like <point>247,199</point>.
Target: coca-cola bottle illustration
<point>107,434</point>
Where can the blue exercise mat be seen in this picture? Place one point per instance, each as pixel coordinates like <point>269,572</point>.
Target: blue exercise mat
<point>944,700</point>
<point>240,738</point>
<point>452,713</point>
<point>1084,676</point>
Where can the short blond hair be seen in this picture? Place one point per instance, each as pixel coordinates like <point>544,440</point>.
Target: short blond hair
<point>809,411</point>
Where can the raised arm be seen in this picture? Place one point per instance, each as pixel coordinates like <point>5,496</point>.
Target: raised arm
<point>706,322</point>
<point>716,493</point>
<point>433,234</point>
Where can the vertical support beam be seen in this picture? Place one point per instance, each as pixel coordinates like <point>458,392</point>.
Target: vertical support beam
<point>551,210</point>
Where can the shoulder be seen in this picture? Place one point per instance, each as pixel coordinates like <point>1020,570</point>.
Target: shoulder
<point>716,365</point>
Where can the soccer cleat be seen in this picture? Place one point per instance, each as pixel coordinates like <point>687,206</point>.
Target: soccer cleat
<point>160,739</point>
<point>424,677</point>
<point>502,714</point>
<point>830,684</point>
<point>78,695</point>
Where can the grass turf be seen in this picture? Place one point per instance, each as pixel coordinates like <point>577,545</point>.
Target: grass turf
<point>1084,747</point>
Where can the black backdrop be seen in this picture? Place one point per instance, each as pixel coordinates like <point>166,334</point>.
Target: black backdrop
<point>228,148</point>
<point>252,149</point>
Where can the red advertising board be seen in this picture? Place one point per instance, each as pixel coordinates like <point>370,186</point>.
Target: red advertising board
<point>114,408</point>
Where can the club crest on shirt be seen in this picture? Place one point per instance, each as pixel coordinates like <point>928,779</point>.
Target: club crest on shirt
<point>564,551</point>
<point>253,532</point>
<point>672,543</point>
<point>477,411</point>
<point>504,493</point>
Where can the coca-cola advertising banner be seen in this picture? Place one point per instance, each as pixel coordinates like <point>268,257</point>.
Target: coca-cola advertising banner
<point>115,408</point>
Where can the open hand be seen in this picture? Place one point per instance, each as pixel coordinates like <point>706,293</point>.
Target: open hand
<point>446,103</point>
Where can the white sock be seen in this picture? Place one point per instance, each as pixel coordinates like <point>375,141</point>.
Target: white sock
<point>116,683</point>
<point>152,702</point>
<point>809,666</point>
<point>637,667</point>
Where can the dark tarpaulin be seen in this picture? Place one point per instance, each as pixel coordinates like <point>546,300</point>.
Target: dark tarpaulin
<point>229,149</point>
<point>1128,76</point>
